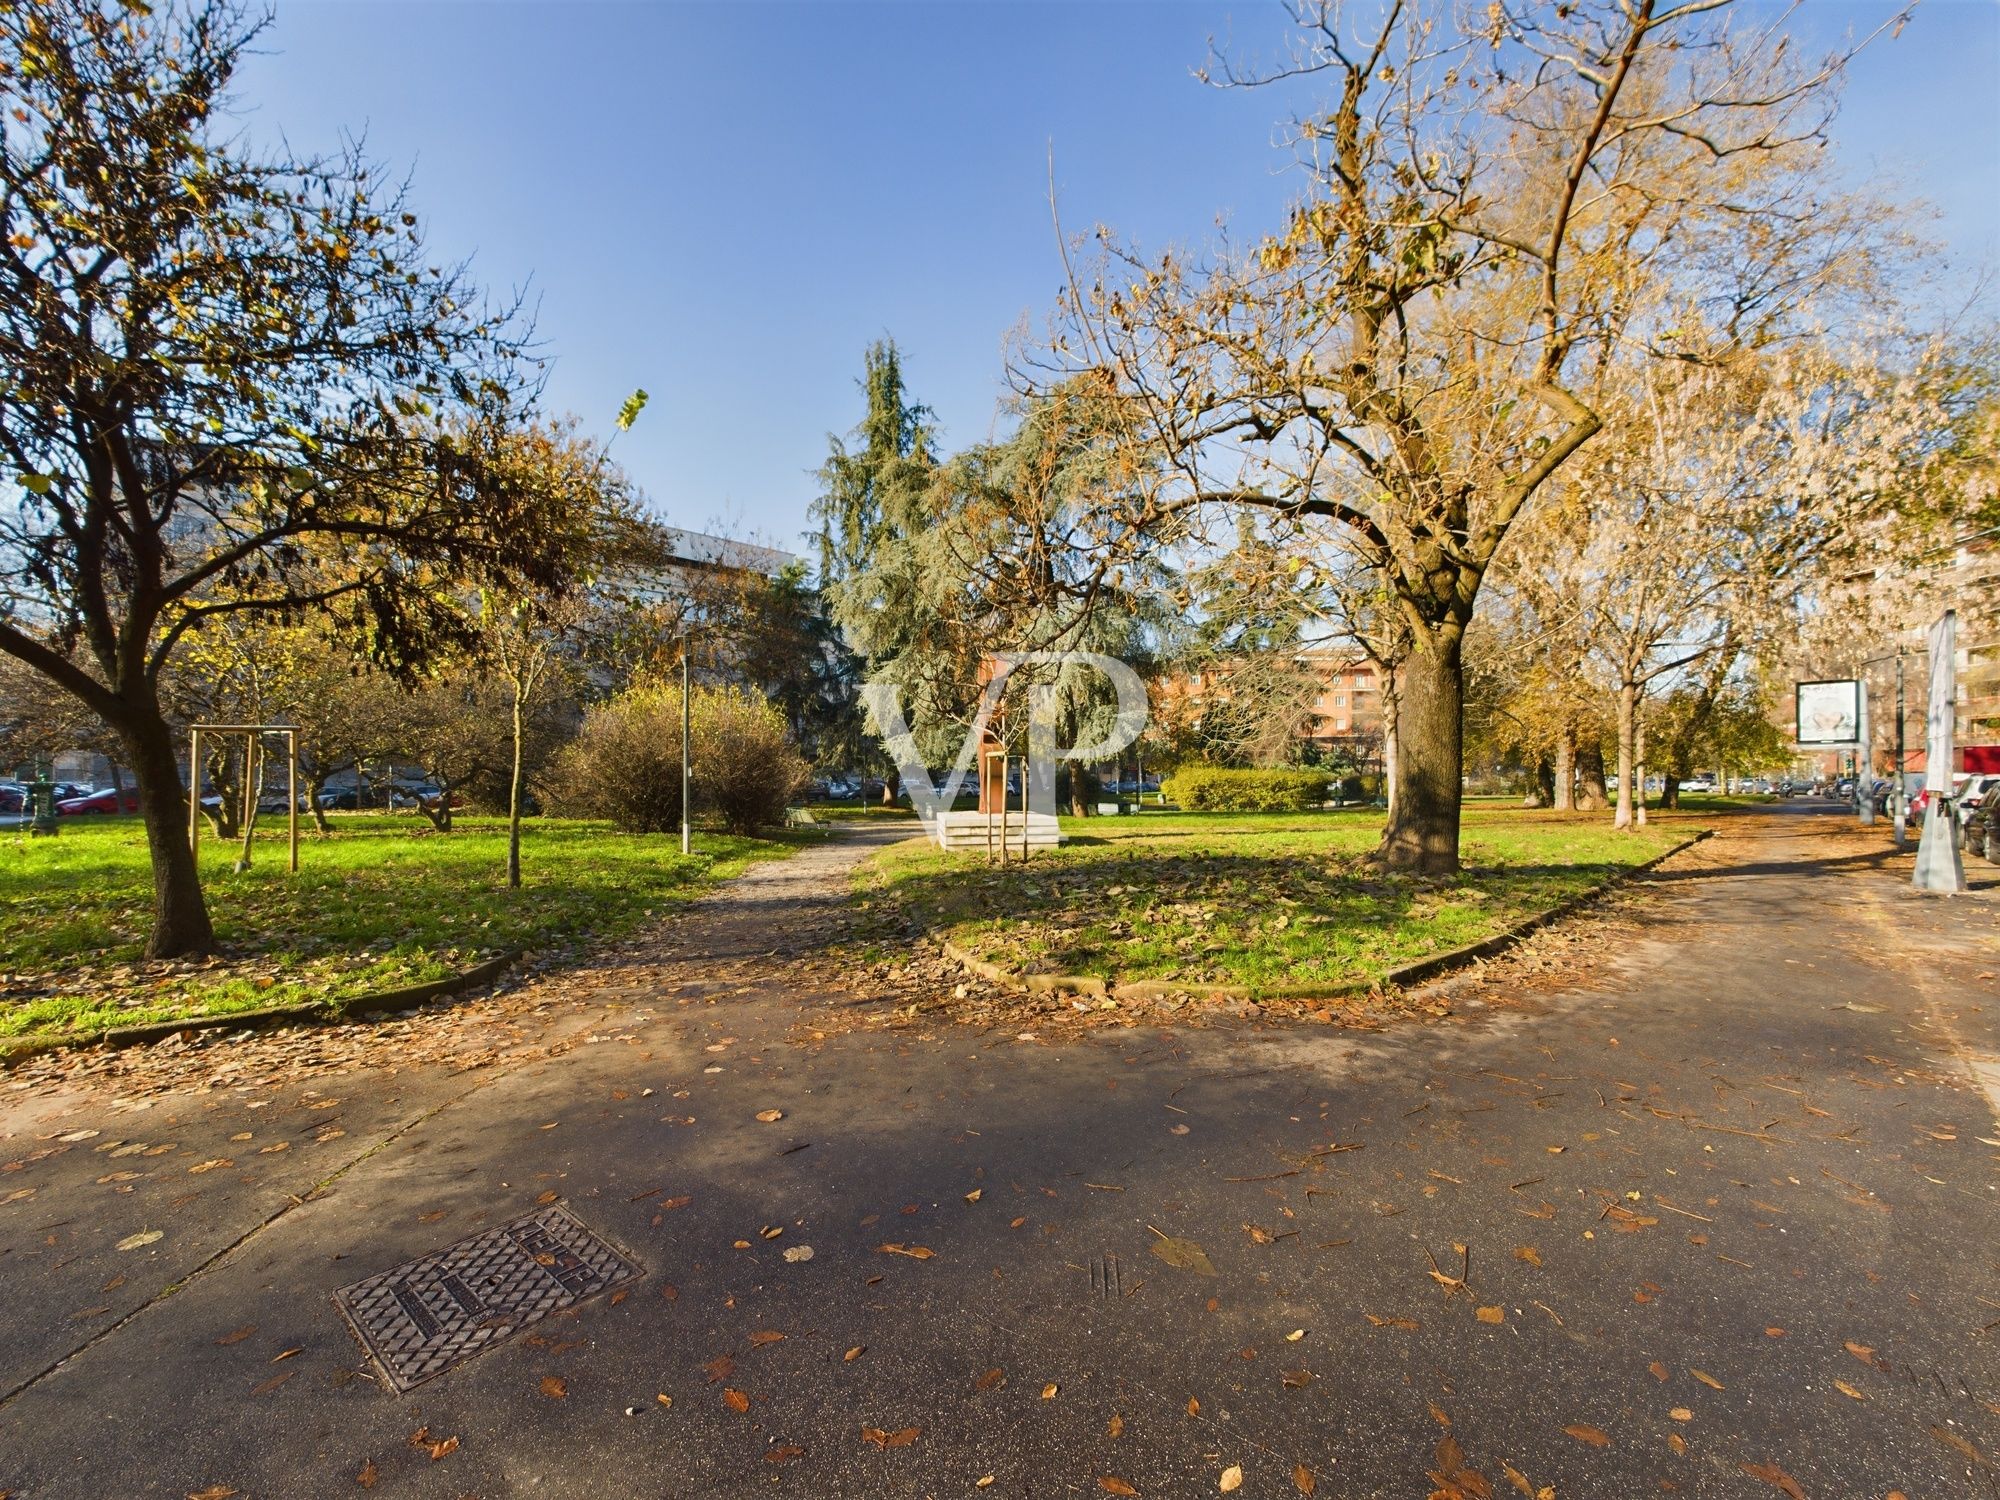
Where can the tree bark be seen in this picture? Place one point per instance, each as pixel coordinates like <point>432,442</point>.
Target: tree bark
<point>1565,769</point>
<point>1628,706</point>
<point>1591,795</point>
<point>1391,733</point>
<point>1422,833</point>
<point>514,803</point>
<point>181,926</point>
<point>1639,772</point>
<point>316,789</point>
<point>1670,792</point>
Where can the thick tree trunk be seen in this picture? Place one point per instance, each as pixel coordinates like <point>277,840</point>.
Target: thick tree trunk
<point>1670,792</point>
<point>1391,734</point>
<point>1628,706</point>
<point>1422,834</point>
<point>117,783</point>
<point>1590,796</point>
<point>181,928</point>
<point>1565,770</point>
<point>1639,773</point>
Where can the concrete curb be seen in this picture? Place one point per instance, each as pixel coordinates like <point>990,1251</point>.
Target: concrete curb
<point>305,1012</point>
<point>1400,978</point>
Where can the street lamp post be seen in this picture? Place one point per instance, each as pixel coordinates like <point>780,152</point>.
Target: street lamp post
<point>687,737</point>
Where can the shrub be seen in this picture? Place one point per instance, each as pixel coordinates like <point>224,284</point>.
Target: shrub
<point>745,767</point>
<point>625,763</point>
<point>1219,789</point>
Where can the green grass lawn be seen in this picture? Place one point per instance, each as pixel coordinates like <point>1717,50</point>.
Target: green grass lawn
<point>380,903</point>
<point>1272,901</point>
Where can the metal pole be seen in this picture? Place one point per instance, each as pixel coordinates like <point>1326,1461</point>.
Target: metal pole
<point>194,792</point>
<point>687,738</point>
<point>1864,762</point>
<point>292,791</point>
<point>1898,798</point>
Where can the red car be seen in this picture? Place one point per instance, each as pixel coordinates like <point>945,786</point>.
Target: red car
<point>105,801</point>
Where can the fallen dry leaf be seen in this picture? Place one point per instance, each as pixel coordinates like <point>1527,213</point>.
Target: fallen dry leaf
<point>366,1478</point>
<point>1049,1391</point>
<point>1659,1370</point>
<point>444,1449</point>
<point>1776,1477</point>
<point>1847,1390</point>
<point>1183,1255</point>
<point>720,1368</point>
<point>237,1336</point>
<point>764,1336</point>
<point>769,1116</point>
<point>1681,1414</point>
<point>554,1387</point>
<point>1529,1254</point>
<point>1111,1484</point>
<point>915,1252</point>
<point>1491,1315</point>
<point>735,1400</point>
<point>1302,1479</point>
<point>1863,1352</point>
<point>902,1437</point>
<point>1583,1432</point>
<point>973,1196</point>
<point>992,1380</point>
<point>138,1241</point>
<point>214,1491</point>
<point>1116,1426</point>
<point>1231,1480</point>
<point>784,1453</point>
<point>1410,1323</point>
<point>1707,1379</point>
<point>855,1353</point>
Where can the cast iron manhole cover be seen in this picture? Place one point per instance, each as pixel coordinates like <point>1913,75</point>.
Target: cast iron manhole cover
<point>422,1318</point>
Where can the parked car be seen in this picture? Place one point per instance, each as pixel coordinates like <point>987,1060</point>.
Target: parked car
<point>1980,829</point>
<point>1696,784</point>
<point>106,801</point>
<point>340,799</point>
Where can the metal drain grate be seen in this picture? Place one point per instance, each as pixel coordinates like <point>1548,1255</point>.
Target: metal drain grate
<point>422,1318</point>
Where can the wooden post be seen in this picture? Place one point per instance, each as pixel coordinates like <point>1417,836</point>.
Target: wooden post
<point>292,792</point>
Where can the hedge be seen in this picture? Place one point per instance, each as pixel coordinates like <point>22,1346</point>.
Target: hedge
<point>1219,789</point>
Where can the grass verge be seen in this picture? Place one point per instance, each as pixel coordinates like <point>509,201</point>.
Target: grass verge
<point>1269,901</point>
<point>380,903</point>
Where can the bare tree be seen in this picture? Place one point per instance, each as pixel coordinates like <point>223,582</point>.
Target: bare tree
<point>1412,356</point>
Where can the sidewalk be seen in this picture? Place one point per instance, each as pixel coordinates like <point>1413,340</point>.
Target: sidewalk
<point>1726,1194</point>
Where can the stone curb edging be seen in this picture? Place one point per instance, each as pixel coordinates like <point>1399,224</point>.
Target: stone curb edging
<point>1408,974</point>
<point>305,1011</point>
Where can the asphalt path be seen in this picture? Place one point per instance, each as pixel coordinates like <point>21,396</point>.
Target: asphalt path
<point>1711,1211</point>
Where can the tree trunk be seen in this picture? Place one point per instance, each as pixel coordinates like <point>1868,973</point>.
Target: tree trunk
<point>1565,770</point>
<point>1670,792</point>
<point>315,790</point>
<point>181,928</point>
<point>1628,706</point>
<point>117,783</point>
<point>1391,731</point>
<point>1639,772</point>
<point>1590,795</point>
<point>514,804</point>
<point>1422,834</point>
<point>253,794</point>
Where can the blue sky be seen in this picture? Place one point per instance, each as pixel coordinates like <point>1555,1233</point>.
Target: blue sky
<point>724,203</point>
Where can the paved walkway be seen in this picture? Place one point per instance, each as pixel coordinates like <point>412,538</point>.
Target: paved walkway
<point>1713,1215</point>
